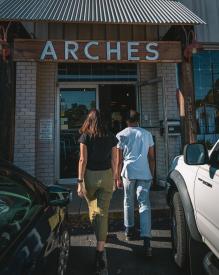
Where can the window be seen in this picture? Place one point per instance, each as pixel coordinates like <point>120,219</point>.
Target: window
<point>206,80</point>
<point>18,204</point>
<point>97,72</point>
<point>75,104</point>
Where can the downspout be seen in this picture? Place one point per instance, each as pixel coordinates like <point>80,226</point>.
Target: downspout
<point>165,125</point>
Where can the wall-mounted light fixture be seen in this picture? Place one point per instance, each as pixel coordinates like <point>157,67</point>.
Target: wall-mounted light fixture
<point>191,47</point>
<point>4,45</point>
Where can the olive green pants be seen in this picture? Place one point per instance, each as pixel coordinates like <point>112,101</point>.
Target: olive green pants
<point>98,193</point>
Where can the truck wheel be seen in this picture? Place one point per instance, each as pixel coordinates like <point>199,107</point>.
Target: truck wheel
<point>178,230</point>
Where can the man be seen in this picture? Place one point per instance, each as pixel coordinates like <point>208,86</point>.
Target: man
<point>135,164</point>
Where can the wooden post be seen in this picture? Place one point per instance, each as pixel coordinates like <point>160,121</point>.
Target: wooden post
<point>181,107</point>
<point>187,88</point>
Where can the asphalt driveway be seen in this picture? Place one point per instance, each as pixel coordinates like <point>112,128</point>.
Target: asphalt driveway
<point>127,258</point>
<point>124,258</point>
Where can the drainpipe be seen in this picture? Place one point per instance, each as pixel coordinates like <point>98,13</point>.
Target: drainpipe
<point>165,124</point>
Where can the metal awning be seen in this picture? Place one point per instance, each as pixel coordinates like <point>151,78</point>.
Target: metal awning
<point>99,11</point>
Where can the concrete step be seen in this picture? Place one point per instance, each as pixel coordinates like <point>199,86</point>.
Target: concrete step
<point>78,206</point>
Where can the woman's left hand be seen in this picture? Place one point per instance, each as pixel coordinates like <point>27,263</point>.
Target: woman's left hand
<point>80,191</point>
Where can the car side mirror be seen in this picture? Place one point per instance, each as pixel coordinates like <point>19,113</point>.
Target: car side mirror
<point>196,154</point>
<point>58,196</point>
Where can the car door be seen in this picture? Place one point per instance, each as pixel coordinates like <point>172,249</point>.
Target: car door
<point>206,200</point>
<point>21,204</point>
<point>28,227</point>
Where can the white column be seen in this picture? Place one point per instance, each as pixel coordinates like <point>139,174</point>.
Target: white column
<point>25,116</point>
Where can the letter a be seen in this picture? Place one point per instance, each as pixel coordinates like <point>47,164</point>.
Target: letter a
<point>48,51</point>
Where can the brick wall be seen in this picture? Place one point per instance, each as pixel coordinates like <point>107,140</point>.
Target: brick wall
<point>36,101</point>
<point>149,96</point>
<point>25,116</point>
<point>168,72</point>
<point>46,102</point>
<point>151,116</point>
<point>152,107</point>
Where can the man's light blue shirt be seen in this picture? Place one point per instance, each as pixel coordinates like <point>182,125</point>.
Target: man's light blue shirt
<point>135,143</point>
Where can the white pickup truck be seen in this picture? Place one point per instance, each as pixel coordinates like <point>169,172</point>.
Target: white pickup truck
<point>193,197</point>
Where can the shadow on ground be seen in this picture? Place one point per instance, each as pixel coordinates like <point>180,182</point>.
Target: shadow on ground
<point>127,258</point>
<point>124,262</point>
<point>124,258</point>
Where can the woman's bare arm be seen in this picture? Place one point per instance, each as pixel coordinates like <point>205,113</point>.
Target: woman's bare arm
<point>82,161</point>
<point>81,167</point>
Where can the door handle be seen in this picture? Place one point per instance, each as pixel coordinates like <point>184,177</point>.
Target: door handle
<point>205,182</point>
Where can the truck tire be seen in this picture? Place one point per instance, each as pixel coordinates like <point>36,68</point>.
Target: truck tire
<point>179,232</point>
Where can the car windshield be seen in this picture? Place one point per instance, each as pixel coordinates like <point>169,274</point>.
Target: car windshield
<point>17,206</point>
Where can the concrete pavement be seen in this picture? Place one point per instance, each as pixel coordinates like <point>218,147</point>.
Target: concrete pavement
<point>157,198</point>
<point>126,258</point>
<point>123,257</point>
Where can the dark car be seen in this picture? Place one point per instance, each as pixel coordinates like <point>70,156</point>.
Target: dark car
<point>34,234</point>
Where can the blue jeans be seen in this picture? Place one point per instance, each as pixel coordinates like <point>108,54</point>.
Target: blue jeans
<point>142,188</point>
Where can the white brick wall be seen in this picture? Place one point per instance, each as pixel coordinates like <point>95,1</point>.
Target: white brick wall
<point>148,96</point>
<point>152,106</point>
<point>46,94</point>
<point>36,100</point>
<point>168,72</point>
<point>151,116</point>
<point>25,116</point>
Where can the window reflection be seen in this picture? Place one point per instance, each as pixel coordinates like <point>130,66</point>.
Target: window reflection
<point>18,205</point>
<point>206,80</point>
<point>74,107</point>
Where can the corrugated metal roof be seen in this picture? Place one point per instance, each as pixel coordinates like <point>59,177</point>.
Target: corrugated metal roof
<point>101,11</point>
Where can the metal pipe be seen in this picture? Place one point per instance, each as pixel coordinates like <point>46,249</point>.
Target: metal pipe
<point>165,124</point>
<point>149,82</point>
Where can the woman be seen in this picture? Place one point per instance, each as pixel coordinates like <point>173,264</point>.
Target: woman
<point>96,174</point>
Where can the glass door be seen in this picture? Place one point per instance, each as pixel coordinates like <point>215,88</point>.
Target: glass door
<point>116,100</point>
<point>75,104</point>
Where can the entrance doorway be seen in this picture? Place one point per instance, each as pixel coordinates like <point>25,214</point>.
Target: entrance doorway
<point>75,101</point>
<point>115,102</point>
<point>74,104</point>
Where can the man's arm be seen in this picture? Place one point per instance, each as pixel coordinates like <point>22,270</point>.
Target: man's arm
<point>151,160</point>
<point>119,161</point>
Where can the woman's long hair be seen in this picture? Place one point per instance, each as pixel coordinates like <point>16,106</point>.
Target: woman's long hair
<point>93,124</point>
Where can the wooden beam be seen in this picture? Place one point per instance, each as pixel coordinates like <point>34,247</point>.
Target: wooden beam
<point>169,51</point>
